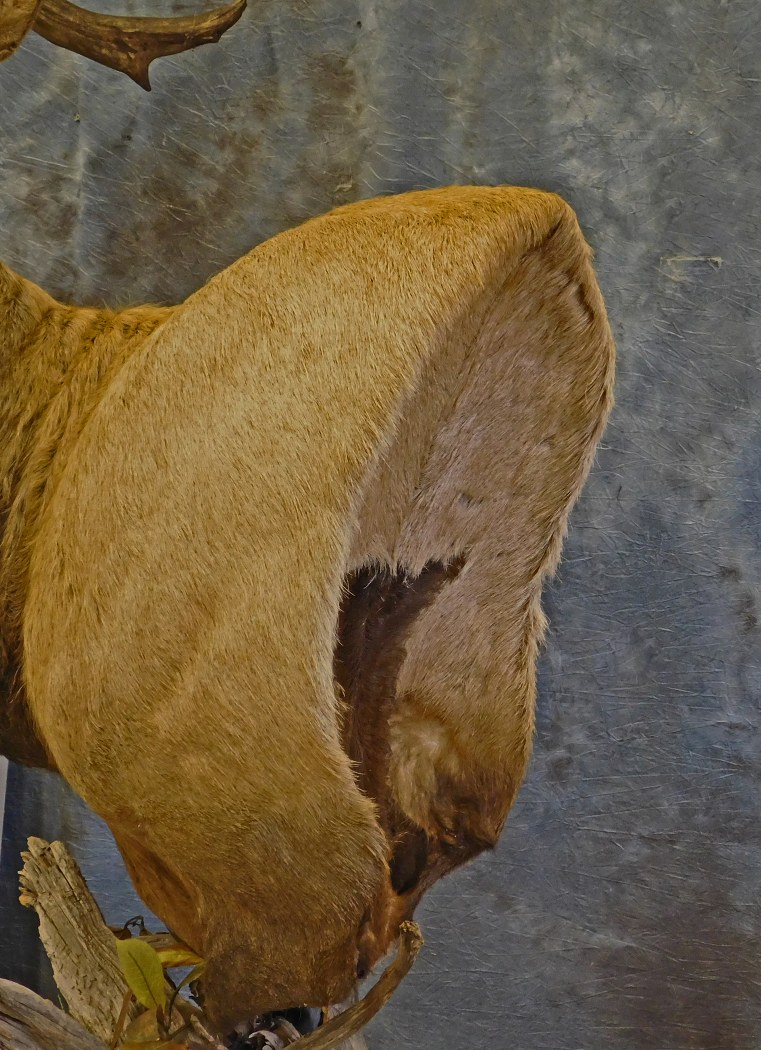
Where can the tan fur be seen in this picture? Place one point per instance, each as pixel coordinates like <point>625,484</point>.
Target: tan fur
<point>408,380</point>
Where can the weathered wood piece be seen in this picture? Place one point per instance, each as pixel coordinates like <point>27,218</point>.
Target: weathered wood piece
<point>29,1022</point>
<point>78,943</point>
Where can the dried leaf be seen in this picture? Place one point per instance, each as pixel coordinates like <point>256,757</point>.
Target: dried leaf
<point>121,1019</point>
<point>144,1028</point>
<point>273,1041</point>
<point>194,974</point>
<point>120,932</point>
<point>142,967</point>
<point>178,954</point>
<point>155,1044</point>
<point>285,1031</point>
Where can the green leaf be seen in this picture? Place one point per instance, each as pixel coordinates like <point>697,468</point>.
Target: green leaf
<point>142,967</point>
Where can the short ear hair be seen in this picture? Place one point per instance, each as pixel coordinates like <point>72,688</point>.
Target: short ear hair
<point>466,508</point>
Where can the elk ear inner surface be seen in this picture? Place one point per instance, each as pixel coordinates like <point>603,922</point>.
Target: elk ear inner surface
<point>378,611</point>
<point>408,859</point>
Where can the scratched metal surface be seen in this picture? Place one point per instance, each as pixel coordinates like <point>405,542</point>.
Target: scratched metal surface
<point>622,906</point>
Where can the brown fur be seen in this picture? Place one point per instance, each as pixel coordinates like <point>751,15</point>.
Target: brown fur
<point>408,390</point>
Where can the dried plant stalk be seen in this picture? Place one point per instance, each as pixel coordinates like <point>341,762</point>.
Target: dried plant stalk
<point>354,1042</point>
<point>346,1025</point>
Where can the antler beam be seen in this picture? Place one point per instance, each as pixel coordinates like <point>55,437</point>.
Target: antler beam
<point>128,45</point>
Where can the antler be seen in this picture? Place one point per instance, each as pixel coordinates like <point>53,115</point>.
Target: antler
<point>16,17</point>
<point>125,44</point>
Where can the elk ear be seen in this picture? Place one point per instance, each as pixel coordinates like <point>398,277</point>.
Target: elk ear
<point>128,45</point>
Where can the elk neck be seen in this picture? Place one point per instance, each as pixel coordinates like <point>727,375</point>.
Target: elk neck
<point>32,364</point>
<point>53,359</point>
<point>48,350</point>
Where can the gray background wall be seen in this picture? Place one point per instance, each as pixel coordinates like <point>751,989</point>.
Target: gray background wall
<point>622,907</point>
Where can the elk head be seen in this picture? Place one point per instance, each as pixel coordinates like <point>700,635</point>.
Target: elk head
<point>128,45</point>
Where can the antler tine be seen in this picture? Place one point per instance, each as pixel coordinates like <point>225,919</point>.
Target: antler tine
<point>16,18</point>
<point>129,45</point>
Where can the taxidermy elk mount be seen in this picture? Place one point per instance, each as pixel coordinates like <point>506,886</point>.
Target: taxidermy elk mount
<point>271,560</point>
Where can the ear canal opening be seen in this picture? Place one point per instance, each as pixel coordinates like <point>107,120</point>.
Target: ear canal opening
<point>378,610</point>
